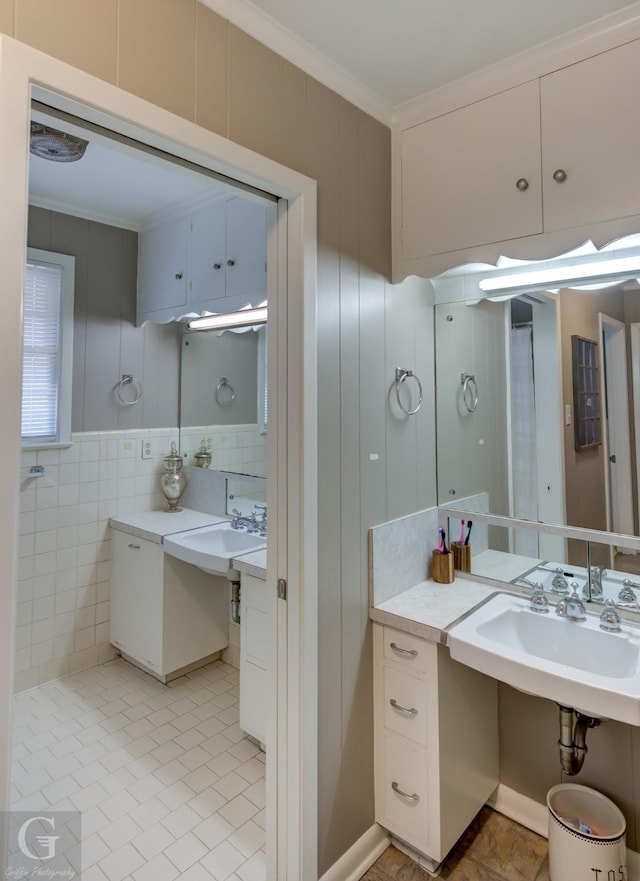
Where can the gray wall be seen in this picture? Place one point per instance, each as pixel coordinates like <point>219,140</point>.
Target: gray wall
<point>182,56</point>
<point>106,342</point>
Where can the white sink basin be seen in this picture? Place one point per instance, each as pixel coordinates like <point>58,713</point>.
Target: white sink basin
<point>574,663</point>
<point>213,548</point>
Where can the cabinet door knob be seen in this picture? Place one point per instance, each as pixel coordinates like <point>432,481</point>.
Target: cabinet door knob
<point>406,710</point>
<point>231,262</point>
<point>522,184</point>
<point>217,265</point>
<point>179,276</point>
<point>135,547</point>
<point>406,653</point>
<point>559,175</point>
<point>396,788</point>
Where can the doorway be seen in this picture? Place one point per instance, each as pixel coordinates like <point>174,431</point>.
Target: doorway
<point>292,559</point>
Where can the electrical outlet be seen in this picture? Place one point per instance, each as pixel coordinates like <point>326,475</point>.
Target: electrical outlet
<point>147,449</point>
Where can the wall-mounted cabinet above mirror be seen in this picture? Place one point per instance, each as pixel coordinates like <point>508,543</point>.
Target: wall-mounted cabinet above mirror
<point>515,449</point>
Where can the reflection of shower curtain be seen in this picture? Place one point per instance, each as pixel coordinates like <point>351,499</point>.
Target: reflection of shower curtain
<point>523,433</point>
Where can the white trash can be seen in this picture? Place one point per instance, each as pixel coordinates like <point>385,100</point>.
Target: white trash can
<point>586,835</point>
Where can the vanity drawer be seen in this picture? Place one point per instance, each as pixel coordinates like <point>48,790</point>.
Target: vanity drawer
<point>407,649</point>
<point>405,705</point>
<point>404,791</point>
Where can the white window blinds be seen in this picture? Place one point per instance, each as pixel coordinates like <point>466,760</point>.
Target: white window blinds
<point>47,348</point>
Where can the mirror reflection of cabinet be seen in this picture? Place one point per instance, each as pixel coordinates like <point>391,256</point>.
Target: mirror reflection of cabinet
<point>210,259</point>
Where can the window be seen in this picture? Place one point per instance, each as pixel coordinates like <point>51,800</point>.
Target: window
<point>47,348</point>
<point>263,400</point>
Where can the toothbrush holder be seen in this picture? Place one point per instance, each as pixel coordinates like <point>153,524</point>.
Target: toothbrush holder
<point>442,567</point>
<point>461,557</point>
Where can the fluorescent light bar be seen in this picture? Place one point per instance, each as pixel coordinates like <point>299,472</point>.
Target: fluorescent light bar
<point>605,271</point>
<point>242,318</point>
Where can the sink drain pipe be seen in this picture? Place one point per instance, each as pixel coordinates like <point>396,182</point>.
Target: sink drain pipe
<point>573,739</point>
<point>235,602</point>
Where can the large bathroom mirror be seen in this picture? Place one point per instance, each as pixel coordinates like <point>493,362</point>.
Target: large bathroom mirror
<point>223,400</point>
<point>538,403</point>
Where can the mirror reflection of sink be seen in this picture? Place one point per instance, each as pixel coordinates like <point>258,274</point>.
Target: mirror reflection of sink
<point>574,663</point>
<point>213,548</point>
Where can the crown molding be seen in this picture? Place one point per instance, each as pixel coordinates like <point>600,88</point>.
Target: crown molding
<point>569,48</point>
<point>262,27</point>
<point>84,213</point>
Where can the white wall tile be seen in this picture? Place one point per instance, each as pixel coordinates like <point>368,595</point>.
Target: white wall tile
<point>65,546</point>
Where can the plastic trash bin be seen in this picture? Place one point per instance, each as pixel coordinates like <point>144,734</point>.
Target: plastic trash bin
<point>586,835</point>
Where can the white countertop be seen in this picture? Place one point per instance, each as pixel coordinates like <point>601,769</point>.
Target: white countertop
<point>428,609</point>
<point>154,525</point>
<point>254,563</point>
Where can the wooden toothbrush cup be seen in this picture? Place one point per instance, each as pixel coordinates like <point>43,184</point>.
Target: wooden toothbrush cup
<point>461,557</point>
<point>442,567</point>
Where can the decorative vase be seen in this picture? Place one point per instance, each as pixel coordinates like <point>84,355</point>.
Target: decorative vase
<point>173,481</point>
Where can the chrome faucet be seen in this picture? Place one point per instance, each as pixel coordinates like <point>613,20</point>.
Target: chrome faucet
<point>241,522</point>
<point>571,607</point>
<point>260,516</point>
<point>596,580</point>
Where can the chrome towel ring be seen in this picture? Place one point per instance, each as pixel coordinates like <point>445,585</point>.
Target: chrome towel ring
<point>402,375</point>
<point>469,391</point>
<point>225,394</point>
<point>128,379</point>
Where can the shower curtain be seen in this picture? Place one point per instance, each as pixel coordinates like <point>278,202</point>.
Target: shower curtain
<point>523,433</point>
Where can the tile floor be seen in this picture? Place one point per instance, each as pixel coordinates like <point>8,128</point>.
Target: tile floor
<point>167,784</point>
<point>493,848</point>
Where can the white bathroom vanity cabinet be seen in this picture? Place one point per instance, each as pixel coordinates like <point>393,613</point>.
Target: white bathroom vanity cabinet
<point>167,617</point>
<point>435,742</point>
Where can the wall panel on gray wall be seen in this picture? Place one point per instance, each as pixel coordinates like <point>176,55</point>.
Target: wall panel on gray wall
<point>106,343</point>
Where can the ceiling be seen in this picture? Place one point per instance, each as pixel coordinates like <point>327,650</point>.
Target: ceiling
<point>403,49</point>
<point>114,182</point>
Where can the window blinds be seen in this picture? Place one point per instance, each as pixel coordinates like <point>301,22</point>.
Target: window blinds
<point>41,351</point>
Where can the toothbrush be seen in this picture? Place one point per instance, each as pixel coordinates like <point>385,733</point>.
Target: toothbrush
<point>469,525</point>
<point>443,541</point>
<point>461,542</point>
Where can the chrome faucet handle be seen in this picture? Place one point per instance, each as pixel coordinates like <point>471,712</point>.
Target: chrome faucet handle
<point>559,583</point>
<point>610,620</point>
<point>539,603</point>
<point>632,584</point>
<point>627,593</point>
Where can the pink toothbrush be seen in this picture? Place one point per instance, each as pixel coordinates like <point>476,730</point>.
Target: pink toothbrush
<point>461,542</point>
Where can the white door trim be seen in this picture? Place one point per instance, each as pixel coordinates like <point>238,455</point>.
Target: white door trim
<point>612,336</point>
<point>24,71</point>
<point>635,380</point>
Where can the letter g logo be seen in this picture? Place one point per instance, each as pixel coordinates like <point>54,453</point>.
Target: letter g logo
<point>45,843</point>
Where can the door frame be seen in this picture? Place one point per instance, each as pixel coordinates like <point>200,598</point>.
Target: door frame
<point>614,411</point>
<point>291,449</point>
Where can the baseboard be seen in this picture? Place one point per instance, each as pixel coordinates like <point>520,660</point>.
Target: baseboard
<point>534,816</point>
<point>360,857</point>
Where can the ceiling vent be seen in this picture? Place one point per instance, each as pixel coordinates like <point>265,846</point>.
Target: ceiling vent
<point>49,143</point>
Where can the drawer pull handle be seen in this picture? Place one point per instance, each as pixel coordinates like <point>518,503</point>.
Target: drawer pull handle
<point>406,710</point>
<point>396,788</point>
<point>135,547</point>
<point>406,653</point>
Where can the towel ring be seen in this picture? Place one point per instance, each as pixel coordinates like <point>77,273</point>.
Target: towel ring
<point>128,379</point>
<point>469,391</point>
<point>401,376</point>
<point>230,394</point>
